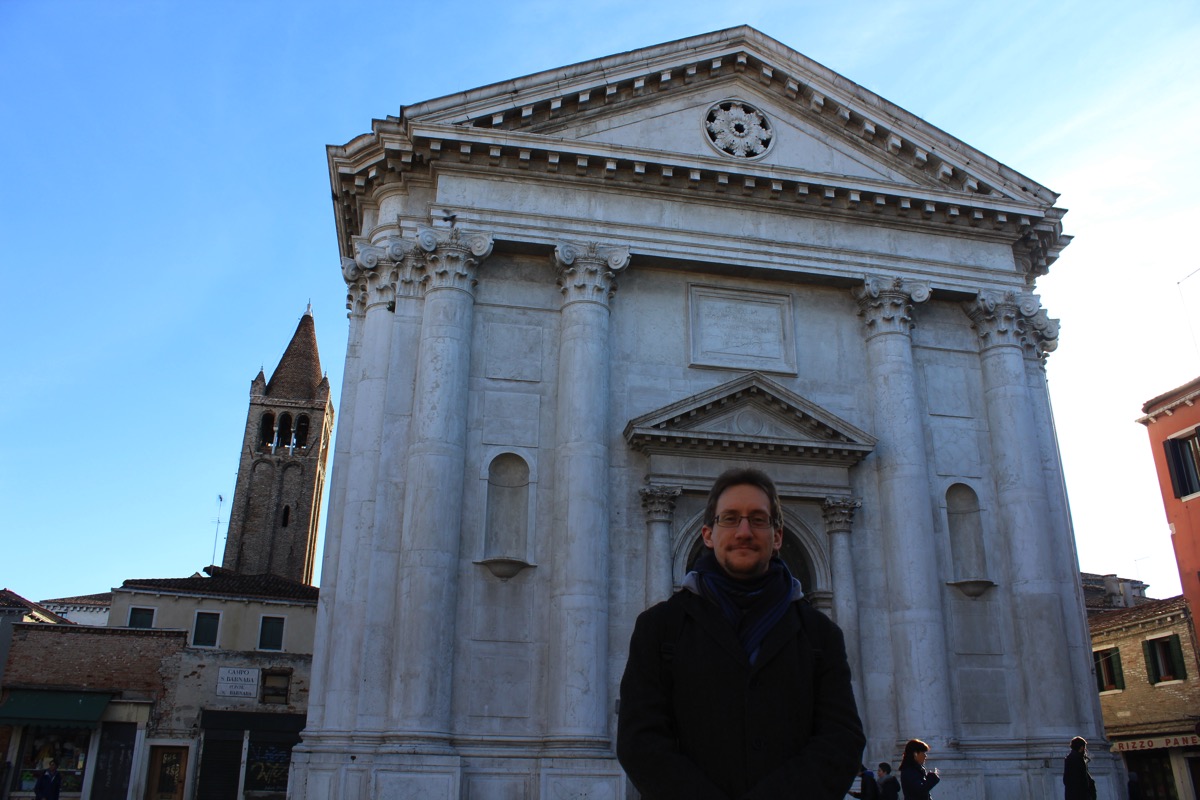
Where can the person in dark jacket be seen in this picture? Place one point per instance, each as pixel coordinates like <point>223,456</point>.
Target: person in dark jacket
<point>49,784</point>
<point>889,784</point>
<point>1077,781</point>
<point>915,780</point>
<point>868,789</point>
<point>734,687</point>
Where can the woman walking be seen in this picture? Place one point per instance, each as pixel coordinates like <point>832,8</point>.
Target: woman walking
<point>915,780</point>
<point>1077,781</point>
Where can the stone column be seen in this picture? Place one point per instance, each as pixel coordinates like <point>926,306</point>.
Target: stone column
<point>839,518</point>
<point>327,616</point>
<point>422,678</point>
<point>578,696</point>
<point>398,260</point>
<point>916,623</point>
<point>1040,339</point>
<point>372,287</point>
<point>659,504</point>
<point>1001,319</point>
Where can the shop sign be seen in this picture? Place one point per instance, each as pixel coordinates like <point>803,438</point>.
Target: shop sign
<point>1191,740</point>
<point>237,682</point>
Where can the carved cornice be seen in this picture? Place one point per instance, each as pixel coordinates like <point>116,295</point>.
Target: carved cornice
<point>659,501</point>
<point>839,513</point>
<point>1009,319</point>
<point>588,271</point>
<point>453,256</point>
<point>885,304</point>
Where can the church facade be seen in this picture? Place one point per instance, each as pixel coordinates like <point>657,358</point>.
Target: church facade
<point>576,298</point>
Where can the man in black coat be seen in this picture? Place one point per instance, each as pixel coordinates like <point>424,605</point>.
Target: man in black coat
<point>49,784</point>
<point>735,687</point>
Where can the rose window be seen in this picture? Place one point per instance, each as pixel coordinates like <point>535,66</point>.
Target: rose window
<point>738,129</point>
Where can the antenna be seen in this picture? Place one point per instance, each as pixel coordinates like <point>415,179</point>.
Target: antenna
<point>217,530</point>
<point>1183,302</point>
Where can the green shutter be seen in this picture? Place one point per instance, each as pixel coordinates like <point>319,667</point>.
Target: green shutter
<point>1177,666</point>
<point>1097,658</point>
<point>1118,675</point>
<point>1151,661</point>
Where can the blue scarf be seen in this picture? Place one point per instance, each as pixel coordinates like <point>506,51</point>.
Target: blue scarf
<point>754,606</point>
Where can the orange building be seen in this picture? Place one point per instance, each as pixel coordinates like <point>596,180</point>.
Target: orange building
<point>1173,422</point>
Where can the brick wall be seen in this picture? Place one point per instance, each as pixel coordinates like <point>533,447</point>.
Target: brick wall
<point>1143,708</point>
<point>137,663</point>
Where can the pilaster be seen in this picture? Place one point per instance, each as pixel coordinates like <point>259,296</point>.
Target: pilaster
<point>838,513</point>
<point>658,501</point>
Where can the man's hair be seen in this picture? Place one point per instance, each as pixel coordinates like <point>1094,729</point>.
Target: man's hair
<point>1079,743</point>
<point>885,768</point>
<point>742,476</point>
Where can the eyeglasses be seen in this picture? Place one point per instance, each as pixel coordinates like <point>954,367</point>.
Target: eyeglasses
<point>759,520</point>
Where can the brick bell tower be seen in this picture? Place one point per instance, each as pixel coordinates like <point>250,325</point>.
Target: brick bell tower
<point>277,500</point>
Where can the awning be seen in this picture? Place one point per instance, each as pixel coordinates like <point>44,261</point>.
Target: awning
<point>61,709</point>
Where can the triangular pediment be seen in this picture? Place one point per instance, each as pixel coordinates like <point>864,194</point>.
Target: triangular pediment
<point>751,416</point>
<point>640,121</point>
<point>656,98</point>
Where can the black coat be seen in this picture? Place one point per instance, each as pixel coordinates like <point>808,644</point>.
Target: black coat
<point>1077,781</point>
<point>916,782</point>
<point>697,721</point>
<point>889,788</point>
<point>48,786</point>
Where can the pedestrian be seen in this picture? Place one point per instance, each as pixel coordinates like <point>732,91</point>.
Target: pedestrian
<point>889,784</point>
<point>868,789</point>
<point>735,687</point>
<point>49,783</point>
<point>1077,781</point>
<point>915,780</point>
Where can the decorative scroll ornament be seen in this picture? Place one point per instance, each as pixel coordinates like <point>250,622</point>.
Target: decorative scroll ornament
<point>659,501</point>
<point>374,273</point>
<point>453,255</point>
<point>886,303</point>
<point>738,129</point>
<point>588,271</point>
<point>1016,320</point>
<point>839,513</point>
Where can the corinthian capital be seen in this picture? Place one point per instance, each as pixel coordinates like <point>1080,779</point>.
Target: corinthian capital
<point>839,513</point>
<point>659,501</point>
<point>452,257</point>
<point>1006,318</point>
<point>588,271</point>
<point>886,303</point>
<point>376,270</point>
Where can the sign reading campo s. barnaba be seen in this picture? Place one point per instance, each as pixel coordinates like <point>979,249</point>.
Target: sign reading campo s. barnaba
<point>237,682</point>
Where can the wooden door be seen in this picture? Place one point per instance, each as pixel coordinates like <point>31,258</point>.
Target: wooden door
<point>168,773</point>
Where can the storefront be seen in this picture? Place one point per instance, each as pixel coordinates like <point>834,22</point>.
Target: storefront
<point>52,726</point>
<point>246,754</point>
<point>1167,767</point>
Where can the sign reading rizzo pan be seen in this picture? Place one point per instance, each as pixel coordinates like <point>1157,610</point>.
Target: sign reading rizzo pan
<point>1157,742</point>
<point>237,682</point>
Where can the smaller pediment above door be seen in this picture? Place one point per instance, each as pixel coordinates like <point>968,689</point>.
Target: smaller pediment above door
<point>750,417</point>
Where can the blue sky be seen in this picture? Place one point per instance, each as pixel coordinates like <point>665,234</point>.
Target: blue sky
<point>166,218</point>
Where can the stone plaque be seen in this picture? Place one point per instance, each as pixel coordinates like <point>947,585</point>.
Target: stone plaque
<point>740,329</point>
<point>513,352</point>
<point>500,681</point>
<point>511,419</point>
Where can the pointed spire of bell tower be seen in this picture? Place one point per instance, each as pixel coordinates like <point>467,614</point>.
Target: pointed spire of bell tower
<point>276,505</point>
